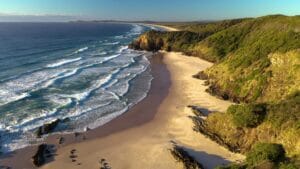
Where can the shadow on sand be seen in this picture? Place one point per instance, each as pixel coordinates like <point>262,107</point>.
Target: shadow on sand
<point>208,161</point>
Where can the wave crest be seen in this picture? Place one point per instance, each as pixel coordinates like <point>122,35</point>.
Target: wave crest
<point>63,62</point>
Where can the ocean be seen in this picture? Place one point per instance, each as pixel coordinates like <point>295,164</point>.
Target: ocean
<point>82,72</point>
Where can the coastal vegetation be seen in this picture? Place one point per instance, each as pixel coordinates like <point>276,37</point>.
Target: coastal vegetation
<point>257,65</point>
<point>247,115</point>
<point>264,155</point>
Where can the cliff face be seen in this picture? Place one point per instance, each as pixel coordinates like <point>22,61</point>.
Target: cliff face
<point>149,41</point>
<point>180,41</point>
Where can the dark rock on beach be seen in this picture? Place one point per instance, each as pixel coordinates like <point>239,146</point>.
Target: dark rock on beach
<point>104,164</point>
<point>201,75</point>
<point>47,128</point>
<point>182,156</point>
<point>198,111</point>
<point>61,140</point>
<point>43,153</point>
<point>50,127</point>
<point>76,134</point>
<point>215,91</point>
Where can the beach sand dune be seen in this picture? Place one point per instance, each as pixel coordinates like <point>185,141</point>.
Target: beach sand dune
<point>147,145</point>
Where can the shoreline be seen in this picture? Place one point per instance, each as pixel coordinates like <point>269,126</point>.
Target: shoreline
<point>157,67</point>
<point>128,119</point>
<point>134,140</point>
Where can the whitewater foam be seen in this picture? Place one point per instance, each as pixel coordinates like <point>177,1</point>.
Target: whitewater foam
<point>81,50</point>
<point>63,62</point>
<point>123,48</point>
<point>11,97</point>
<point>90,90</point>
<point>136,30</point>
<point>110,58</point>
<point>111,43</point>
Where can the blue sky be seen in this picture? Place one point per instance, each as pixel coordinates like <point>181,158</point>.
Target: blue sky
<point>158,10</point>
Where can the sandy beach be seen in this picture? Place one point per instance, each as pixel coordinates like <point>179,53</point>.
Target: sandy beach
<point>142,137</point>
<point>147,145</point>
<point>168,28</point>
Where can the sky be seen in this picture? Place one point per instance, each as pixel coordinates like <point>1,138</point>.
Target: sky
<point>132,10</point>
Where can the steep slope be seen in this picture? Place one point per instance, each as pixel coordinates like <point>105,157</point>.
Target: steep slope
<point>251,55</point>
<point>258,61</point>
<point>257,64</point>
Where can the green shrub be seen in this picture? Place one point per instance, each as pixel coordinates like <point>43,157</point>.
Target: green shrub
<point>265,152</point>
<point>247,115</point>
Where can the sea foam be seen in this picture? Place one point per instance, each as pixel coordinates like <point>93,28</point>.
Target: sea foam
<point>90,89</point>
<point>63,62</point>
<point>81,50</point>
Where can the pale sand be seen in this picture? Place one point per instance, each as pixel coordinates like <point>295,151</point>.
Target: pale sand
<point>146,146</point>
<point>168,28</point>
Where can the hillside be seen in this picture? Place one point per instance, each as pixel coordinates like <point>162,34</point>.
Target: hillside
<point>257,64</point>
<point>251,54</point>
<point>185,40</point>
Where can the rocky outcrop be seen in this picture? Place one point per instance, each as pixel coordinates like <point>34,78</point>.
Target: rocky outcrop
<point>47,128</point>
<point>50,127</point>
<point>201,75</point>
<point>198,111</point>
<point>182,156</point>
<point>148,41</point>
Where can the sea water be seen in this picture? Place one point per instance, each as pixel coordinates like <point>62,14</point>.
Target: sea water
<point>83,72</point>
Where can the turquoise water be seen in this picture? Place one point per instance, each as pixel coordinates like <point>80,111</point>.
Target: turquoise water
<point>82,72</point>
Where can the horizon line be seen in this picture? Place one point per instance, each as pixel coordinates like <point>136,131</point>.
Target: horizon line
<point>73,18</point>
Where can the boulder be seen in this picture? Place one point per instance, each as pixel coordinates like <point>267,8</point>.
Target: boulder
<point>47,128</point>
